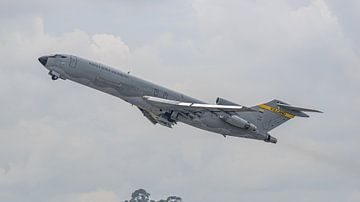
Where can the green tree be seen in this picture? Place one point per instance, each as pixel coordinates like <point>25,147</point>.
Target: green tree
<point>139,195</point>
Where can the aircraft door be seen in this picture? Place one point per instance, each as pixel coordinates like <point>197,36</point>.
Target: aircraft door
<point>73,61</point>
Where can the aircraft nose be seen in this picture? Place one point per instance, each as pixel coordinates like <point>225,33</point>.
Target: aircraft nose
<point>43,60</point>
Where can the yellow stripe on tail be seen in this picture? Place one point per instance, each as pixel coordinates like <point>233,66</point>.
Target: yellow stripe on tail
<point>275,110</point>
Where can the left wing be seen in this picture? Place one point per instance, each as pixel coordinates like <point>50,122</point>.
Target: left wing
<point>188,106</point>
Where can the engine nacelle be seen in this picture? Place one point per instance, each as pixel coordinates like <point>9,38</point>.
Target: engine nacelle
<point>238,122</point>
<point>222,101</point>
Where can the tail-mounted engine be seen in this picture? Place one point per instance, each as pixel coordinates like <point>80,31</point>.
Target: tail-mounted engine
<point>238,122</point>
<point>222,101</point>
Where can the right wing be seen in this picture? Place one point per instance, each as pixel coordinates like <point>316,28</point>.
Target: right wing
<point>194,107</point>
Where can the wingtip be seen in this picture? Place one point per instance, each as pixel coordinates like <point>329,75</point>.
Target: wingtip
<point>315,111</point>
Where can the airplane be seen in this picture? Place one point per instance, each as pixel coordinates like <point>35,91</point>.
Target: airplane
<point>167,107</point>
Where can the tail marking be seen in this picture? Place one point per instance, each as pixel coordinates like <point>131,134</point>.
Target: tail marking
<point>276,110</point>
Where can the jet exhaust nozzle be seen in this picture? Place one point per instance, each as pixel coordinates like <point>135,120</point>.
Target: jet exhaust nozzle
<point>271,139</point>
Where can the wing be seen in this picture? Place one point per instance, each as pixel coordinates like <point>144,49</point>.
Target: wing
<point>194,107</point>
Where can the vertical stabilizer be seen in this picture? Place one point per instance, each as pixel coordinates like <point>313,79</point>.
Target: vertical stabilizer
<point>274,113</point>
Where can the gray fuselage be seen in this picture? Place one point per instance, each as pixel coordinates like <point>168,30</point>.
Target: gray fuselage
<point>132,89</point>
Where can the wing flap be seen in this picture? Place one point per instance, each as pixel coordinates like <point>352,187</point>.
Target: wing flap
<point>178,105</point>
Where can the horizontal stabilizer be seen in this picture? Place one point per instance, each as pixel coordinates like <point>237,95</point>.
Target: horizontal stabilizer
<point>178,105</point>
<point>298,108</point>
<point>297,111</point>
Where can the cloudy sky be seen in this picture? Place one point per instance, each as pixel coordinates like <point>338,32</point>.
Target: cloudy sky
<point>60,141</point>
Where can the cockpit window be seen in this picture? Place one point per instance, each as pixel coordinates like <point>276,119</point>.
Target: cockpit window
<point>57,56</point>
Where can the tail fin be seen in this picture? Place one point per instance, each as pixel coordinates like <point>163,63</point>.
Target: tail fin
<point>274,113</point>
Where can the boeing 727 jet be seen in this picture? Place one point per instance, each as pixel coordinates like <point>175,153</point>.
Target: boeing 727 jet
<point>167,107</point>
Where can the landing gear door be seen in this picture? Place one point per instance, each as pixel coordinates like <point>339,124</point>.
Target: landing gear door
<point>73,61</point>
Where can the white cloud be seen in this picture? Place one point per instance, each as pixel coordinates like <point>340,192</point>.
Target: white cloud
<point>109,47</point>
<point>97,196</point>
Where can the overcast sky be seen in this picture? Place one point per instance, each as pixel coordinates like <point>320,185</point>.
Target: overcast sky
<point>60,141</point>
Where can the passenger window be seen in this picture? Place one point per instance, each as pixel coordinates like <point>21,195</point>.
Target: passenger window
<point>156,92</point>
